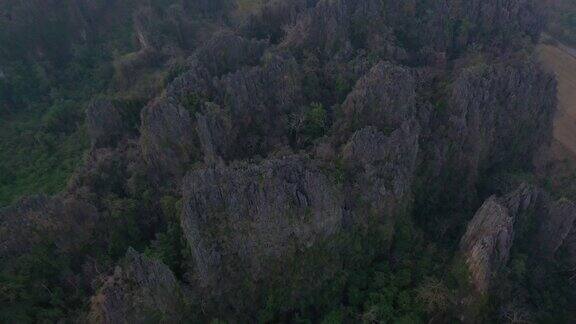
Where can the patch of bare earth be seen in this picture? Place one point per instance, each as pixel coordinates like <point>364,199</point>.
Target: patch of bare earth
<point>561,60</point>
<point>563,64</point>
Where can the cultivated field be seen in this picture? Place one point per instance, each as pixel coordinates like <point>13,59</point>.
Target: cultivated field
<point>562,61</point>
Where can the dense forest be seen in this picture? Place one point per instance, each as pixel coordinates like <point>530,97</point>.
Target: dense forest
<point>334,161</point>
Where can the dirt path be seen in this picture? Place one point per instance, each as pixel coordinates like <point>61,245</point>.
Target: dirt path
<point>562,61</point>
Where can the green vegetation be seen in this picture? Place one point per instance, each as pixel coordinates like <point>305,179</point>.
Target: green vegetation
<point>39,152</point>
<point>413,282</point>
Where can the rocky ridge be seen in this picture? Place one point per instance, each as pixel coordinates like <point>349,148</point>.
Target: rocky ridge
<point>402,110</point>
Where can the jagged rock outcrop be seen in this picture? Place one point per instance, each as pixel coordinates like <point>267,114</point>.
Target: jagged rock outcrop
<point>259,100</point>
<point>383,98</point>
<point>494,229</point>
<point>487,242</point>
<point>494,126</point>
<point>65,221</point>
<point>385,168</point>
<point>195,84</point>
<point>214,129</point>
<point>450,26</point>
<point>104,122</point>
<point>140,290</point>
<point>375,88</point>
<point>323,29</point>
<point>483,127</point>
<point>332,26</point>
<point>241,220</point>
<point>223,53</point>
<point>273,18</point>
<point>504,19</point>
<point>167,137</point>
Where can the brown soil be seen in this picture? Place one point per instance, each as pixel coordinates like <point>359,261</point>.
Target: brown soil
<point>562,61</point>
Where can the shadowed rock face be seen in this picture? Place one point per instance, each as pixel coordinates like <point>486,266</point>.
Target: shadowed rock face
<point>240,220</point>
<point>275,15</point>
<point>225,52</point>
<point>383,98</point>
<point>493,124</point>
<point>384,168</point>
<point>167,137</point>
<point>140,290</point>
<point>324,28</point>
<point>507,18</point>
<point>259,100</point>
<point>483,126</point>
<point>214,129</point>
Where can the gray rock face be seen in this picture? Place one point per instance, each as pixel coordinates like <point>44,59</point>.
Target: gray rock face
<point>240,220</point>
<point>483,126</point>
<point>497,24</point>
<point>214,129</point>
<point>273,18</point>
<point>334,26</point>
<point>324,28</point>
<point>104,121</point>
<point>493,124</point>
<point>386,170</point>
<point>273,87</point>
<point>487,242</point>
<point>65,221</point>
<point>167,137</point>
<point>508,19</point>
<point>196,82</point>
<point>383,98</point>
<point>140,290</point>
<point>491,233</point>
<point>223,53</point>
<point>259,100</point>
